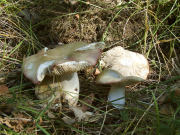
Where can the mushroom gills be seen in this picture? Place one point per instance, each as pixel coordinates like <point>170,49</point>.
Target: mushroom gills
<point>117,96</point>
<point>109,76</point>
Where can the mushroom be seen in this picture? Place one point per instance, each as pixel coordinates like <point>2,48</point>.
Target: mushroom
<point>55,70</point>
<point>124,68</point>
<point>126,62</point>
<point>118,82</point>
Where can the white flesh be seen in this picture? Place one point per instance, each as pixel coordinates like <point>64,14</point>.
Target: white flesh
<point>70,88</point>
<point>117,96</point>
<point>42,69</point>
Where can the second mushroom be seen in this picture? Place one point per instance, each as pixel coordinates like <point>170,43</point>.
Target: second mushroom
<point>123,68</point>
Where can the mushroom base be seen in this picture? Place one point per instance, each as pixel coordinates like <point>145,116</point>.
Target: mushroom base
<point>56,87</point>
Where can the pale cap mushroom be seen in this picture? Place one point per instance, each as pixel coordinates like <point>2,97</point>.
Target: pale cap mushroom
<point>126,62</point>
<point>63,61</point>
<point>125,68</point>
<point>118,82</point>
<point>66,58</point>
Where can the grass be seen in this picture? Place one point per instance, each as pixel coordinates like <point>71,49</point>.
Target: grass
<point>148,27</point>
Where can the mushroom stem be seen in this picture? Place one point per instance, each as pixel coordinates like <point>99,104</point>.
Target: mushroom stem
<point>70,88</point>
<point>117,96</point>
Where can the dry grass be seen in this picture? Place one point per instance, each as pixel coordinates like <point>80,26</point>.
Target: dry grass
<point>148,27</point>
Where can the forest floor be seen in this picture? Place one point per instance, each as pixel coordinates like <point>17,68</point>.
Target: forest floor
<point>151,28</point>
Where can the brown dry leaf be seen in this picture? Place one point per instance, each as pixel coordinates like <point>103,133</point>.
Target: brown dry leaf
<point>77,16</point>
<point>97,71</point>
<point>4,96</point>
<point>17,123</point>
<point>3,90</point>
<point>40,120</point>
<point>88,100</point>
<point>7,122</point>
<point>25,119</point>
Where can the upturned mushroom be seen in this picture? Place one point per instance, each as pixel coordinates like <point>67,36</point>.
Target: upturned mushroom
<point>55,70</point>
<point>124,68</point>
<point>118,82</point>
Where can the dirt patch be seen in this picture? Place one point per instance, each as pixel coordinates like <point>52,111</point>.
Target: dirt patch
<point>92,27</point>
<point>95,21</point>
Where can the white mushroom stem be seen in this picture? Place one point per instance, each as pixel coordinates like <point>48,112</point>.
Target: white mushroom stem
<point>70,88</point>
<point>117,96</point>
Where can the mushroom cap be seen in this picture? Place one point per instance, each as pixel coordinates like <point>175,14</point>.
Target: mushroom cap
<point>109,76</point>
<point>126,62</point>
<point>62,59</point>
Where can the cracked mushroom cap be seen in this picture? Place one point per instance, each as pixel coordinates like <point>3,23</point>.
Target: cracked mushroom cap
<point>109,76</point>
<point>62,59</point>
<point>126,62</point>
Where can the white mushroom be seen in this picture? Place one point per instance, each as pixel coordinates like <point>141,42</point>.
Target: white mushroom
<point>118,82</point>
<point>125,68</point>
<point>61,65</point>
